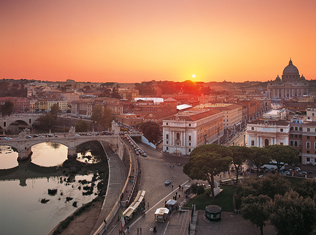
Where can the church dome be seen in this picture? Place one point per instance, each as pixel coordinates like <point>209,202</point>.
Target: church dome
<point>290,69</point>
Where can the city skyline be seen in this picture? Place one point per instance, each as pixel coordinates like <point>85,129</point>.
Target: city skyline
<point>135,41</point>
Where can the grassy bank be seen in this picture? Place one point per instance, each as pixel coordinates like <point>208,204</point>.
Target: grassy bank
<point>224,199</point>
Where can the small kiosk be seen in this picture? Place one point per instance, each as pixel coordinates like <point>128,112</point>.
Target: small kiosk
<point>172,205</point>
<point>213,212</point>
<point>161,214</point>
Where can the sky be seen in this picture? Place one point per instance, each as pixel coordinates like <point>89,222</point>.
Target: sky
<point>143,40</point>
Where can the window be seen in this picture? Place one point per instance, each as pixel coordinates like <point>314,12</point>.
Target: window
<point>189,138</point>
<point>291,128</point>
<point>295,143</point>
<point>308,153</point>
<point>189,124</point>
<point>291,143</point>
<point>308,159</point>
<point>281,143</point>
<point>166,148</point>
<point>167,142</point>
<point>291,136</point>
<point>301,128</point>
<point>314,145</point>
<point>189,150</point>
<point>308,129</point>
<point>252,128</point>
<point>189,144</point>
<point>308,145</point>
<point>166,123</point>
<point>252,143</point>
<point>296,128</point>
<point>308,137</point>
<point>167,136</point>
<point>281,130</point>
<point>295,136</point>
<point>178,136</point>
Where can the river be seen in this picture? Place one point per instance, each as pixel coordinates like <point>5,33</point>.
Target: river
<point>21,199</point>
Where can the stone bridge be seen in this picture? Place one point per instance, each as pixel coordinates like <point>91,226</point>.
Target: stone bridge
<point>28,119</point>
<point>24,143</point>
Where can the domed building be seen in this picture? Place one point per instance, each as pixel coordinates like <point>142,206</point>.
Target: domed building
<point>292,84</point>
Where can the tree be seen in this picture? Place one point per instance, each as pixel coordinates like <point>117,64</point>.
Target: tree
<point>257,210</point>
<point>47,121</point>
<point>269,185</point>
<point>283,154</point>
<point>306,188</point>
<point>151,130</point>
<point>106,118</point>
<point>293,214</point>
<point>7,108</point>
<point>82,126</point>
<point>54,110</point>
<point>259,156</point>
<point>206,161</point>
<point>239,154</point>
<point>97,113</point>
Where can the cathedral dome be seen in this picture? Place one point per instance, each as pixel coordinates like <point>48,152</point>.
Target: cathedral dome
<point>290,69</point>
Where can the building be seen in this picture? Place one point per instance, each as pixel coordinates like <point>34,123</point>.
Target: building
<point>292,84</point>
<point>82,108</point>
<point>188,129</point>
<point>270,129</point>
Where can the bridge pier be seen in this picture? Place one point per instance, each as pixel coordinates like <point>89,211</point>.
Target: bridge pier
<point>24,154</point>
<point>72,152</point>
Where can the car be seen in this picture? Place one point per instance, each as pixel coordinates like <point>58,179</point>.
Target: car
<point>42,136</point>
<point>77,135</point>
<point>167,182</point>
<point>144,154</point>
<point>35,136</point>
<point>50,135</point>
<point>28,137</point>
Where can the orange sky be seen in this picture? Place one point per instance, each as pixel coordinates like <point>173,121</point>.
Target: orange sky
<point>143,40</point>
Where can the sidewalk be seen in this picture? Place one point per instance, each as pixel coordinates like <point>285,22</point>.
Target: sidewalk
<point>117,180</point>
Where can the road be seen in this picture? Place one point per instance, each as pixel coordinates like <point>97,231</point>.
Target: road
<point>156,169</point>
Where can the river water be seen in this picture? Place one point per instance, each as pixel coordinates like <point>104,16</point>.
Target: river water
<point>22,210</point>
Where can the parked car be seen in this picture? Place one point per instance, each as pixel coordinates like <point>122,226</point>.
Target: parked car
<point>28,137</point>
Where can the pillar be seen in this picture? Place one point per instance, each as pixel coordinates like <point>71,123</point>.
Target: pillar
<point>72,152</point>
<point>24,154</point>
<point>258,144</point>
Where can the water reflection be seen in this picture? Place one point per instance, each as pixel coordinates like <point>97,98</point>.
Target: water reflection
<point>76,183</point>
<point>8,157</point>
<point>49,154</point>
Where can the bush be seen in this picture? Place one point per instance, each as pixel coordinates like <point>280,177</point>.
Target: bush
<point>193,188</point>
<point>200,190</point>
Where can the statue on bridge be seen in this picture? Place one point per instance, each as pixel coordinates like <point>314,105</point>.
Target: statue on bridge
<point>24,133</point>
<point>72,131</point>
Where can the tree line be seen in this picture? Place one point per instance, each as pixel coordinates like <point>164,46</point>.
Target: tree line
<point>290,210</point>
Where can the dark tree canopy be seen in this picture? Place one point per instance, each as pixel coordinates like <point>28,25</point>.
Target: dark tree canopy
<point>270,185</point>
<point>283,154</point>
<point>47,121</point>
<point>82,126</point>
<point>293,214</point>
<point>151,130</point>
<point>257,210</point>
<point>54,110</point>
<point>7,108</point>
<point>206,161</point>
<point>259,156</point>
<point>306,188</point>
<point>106,118</point>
